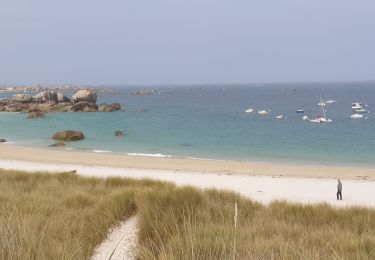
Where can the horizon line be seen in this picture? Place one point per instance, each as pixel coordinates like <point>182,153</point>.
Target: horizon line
<point>191,84</point>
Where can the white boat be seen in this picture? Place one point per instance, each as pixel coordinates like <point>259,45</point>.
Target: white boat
<point>323,118</point>
<point>330,101</point>
<point>300,111</point>
<point>357,105</point>
<point>360,111</point>
<point>280,117</point>
<point>305,118</point>
<point>320,119</point>
<point>263,112</point>
<point>356,116</point>
<point>249,110</point>
<point>322,104</point>
<point>315,120</point>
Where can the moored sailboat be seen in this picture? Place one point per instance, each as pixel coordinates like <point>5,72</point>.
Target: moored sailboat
<point>321,118</point>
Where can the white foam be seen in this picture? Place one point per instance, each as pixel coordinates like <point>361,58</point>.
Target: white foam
<point>199,158</point>
<point>101,151</point>
<point>150,155</point>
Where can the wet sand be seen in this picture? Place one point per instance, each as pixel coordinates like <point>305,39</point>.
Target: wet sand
<point>60,156</point>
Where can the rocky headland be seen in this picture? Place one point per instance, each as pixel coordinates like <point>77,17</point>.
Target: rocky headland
<point>83,100</point>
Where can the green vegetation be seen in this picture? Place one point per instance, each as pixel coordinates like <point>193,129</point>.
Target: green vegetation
<point>64,216</point>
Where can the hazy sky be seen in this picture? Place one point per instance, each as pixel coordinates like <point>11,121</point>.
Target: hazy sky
<point>190,41</point>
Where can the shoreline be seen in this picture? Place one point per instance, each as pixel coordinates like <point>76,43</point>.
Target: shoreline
<point>175,164</point>
<point>156,154</point>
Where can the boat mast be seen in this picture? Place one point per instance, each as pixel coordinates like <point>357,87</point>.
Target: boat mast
<point>321,104</point>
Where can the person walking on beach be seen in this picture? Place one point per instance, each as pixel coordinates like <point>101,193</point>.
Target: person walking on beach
<point>339,190</point>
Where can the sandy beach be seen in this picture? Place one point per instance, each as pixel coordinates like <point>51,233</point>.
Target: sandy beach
<point>18,153</point>
<point>260,181</point>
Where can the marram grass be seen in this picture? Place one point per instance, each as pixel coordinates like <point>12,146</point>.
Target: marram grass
<point>64,216</point>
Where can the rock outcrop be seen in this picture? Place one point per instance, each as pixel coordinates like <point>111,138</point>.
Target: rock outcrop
<point>68,135</point>
<point>25,98</point>
<point>85,106</point>
<point>52,101</point>
<point>89,109</point>
<point>45,96</point>
<point>61,107</point>
<point>50,96</point>
<point>62,98</point>
<point>14,106</point>
<point>2,140</point>
<point>84,95</point>
<point>109,108</point>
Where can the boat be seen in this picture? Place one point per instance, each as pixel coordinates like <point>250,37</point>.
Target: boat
<point>357,105</point>
<point>249,110</point>
<point>322,104</point>
<point>322,118</point>
<point>315,120</point>
<point>356,116</point>
<point>280,117</point>
<point>360,111</point>
<point>330,101</point>
<point>300,111</point>
<point>263,112</point>
<point>305,118</point>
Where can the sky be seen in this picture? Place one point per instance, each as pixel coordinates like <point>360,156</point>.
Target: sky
<point>156,42</point>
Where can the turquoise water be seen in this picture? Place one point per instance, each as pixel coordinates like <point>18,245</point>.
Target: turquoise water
<point>210,122</point>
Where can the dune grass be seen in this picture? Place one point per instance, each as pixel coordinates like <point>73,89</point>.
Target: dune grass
<point>60,216</point>
<point>193,224</point>
<point>64,216</point>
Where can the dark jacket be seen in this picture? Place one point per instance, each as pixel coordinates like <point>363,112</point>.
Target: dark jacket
<point>339,186</point>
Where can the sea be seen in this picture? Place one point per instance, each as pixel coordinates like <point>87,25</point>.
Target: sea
<point>210,122</point>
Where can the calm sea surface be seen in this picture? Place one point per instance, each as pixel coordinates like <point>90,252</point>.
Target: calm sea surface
<point>210,122</point>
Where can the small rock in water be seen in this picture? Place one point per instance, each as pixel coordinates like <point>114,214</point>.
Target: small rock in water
<point>59,144</point>
<point>119,133</point>
<point>68,135</point>
<point>143,92</point>
<point>109,108</point>
<point>3,141</point>
<point>36,114</point>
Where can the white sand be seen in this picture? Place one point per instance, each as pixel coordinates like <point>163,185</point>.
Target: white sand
<point>261,188</point>
<point>121,242</point>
